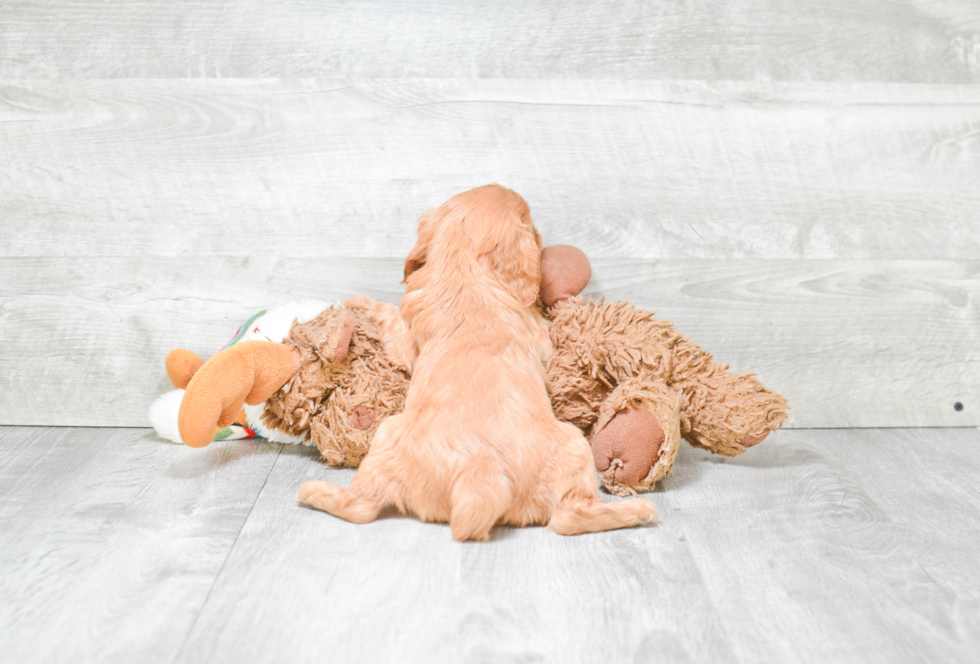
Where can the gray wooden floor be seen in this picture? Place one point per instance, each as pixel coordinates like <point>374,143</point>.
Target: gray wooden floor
<point>820,545</point>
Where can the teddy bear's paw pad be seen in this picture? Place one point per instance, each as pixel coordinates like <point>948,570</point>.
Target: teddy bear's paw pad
<point>362,417</point>
<point>633,437</point>
<point>750,441</point>
<point>611,486</point>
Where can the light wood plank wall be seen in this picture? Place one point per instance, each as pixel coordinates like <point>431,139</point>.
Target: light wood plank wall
<point>797,188</point>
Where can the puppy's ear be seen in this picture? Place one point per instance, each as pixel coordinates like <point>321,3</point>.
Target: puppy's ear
<point>518,263</point>
<point>417,256</point>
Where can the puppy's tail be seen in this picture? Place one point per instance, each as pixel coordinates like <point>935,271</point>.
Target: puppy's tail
<point>481,495</point>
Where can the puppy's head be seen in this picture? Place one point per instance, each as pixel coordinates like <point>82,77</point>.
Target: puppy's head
<point>490,224</point>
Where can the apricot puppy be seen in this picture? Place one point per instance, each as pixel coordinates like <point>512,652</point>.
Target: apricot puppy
<point>477,443</point>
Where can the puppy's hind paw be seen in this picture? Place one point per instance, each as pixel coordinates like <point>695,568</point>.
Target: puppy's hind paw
<point>646,512</point>
<point>316,494</point>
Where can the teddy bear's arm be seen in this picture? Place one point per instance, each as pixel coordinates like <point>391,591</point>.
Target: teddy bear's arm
<point>394,332</point>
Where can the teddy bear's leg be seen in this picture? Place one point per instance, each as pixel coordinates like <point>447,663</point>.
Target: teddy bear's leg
<point>248,372</point>
<point>726,412</point>
<point>182,364</point>
<point>343,433</point>
<point>635,439</point>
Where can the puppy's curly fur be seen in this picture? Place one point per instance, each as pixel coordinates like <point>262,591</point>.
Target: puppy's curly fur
<point>477,443</point>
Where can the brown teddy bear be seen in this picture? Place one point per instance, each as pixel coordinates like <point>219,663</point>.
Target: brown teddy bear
<point>632,383</point>
<point>636,386</point>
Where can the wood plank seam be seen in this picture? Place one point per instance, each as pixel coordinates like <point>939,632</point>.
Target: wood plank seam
<point>231,549</point>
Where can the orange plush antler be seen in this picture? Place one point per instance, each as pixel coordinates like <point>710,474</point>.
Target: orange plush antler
<point>248,372</point>
<point>182,364</point>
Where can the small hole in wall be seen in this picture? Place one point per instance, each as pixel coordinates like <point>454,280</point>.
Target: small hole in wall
<point>957,406</point>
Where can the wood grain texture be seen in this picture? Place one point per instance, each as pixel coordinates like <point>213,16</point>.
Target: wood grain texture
<point>625,169</point>
<point>844,40</point>
<point>401,590</point>
<point>844,546</point>
<point>935,475</point>
<point>818,545</point>
<point>850,343</point>
<point>111,539</point>
<point>789,553</point>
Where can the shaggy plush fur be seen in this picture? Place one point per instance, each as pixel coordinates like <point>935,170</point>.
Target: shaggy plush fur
<point>477,443</point>
<point>344,370</point>
<point>613,356</point>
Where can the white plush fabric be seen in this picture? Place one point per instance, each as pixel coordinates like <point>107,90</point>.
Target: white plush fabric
<point>274,324</point>
<point>163,415</point>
